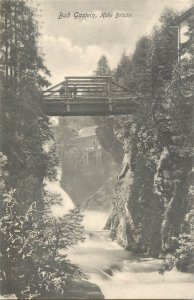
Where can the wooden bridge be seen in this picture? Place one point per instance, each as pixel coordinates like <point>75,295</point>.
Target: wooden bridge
<point>89,96</point>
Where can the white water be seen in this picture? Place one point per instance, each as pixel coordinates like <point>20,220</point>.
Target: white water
<point>121,274</point>
<point>66,204</point>
<point>55,188</point>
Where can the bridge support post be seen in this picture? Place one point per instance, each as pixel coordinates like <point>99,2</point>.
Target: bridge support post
<point>110,104</point>
<point>67,89</point>
<point>108,94</point>
<point>68,107</point>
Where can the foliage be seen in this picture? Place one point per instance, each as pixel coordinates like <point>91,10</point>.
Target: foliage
<point>123,69</point>
<point>183,255</point>
<point>161,138</point>
<point>25,128</point>
<point>28,236</point>
<point>105,129</point>
<point>103,68</point>
<point>32,261</point>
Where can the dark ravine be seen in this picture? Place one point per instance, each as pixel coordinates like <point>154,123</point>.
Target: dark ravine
<point>84,170</point>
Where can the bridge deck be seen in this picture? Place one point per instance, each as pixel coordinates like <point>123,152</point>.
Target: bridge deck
<point>82,96</point>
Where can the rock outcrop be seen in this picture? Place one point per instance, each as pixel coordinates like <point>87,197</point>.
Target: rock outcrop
<point>135,220</point>
<point>78,289</point>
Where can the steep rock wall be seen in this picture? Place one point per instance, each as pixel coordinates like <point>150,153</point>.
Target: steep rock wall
<point>135,220</point>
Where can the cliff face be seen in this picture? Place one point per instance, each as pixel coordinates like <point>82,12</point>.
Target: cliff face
<point>153,203</point>
<point>135,219</point>
<point>120,222</point>
<point>144,218</point>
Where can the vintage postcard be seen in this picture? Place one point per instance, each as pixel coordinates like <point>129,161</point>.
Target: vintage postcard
<point>96,149</point>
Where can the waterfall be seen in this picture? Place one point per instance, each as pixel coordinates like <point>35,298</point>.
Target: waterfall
<point>94,220</point>
<point>55,188</point>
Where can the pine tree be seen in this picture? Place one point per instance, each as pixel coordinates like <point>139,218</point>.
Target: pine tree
<point>123,69</point>
<point>105,130</point>
<point>161,140</point>
<point>25,128</point>
<point>103,68</point>
<point>25,221</point>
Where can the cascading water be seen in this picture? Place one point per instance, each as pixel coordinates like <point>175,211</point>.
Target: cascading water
<point>55,188</point>
<point>119,273</point>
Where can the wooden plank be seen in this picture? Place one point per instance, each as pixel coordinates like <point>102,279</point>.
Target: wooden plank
<point>90,90</point>
<point>119,91</point>
<point>91,86</point>
<point>93,98</point>
<point>52,91</point>
<point>93,112</point>
<point>80,87</point>
<point>100,100</point>
<point>87,84</point>
<point>87,107</point>
<point>119,85</point>
<point>87,80</point>
<point>48,90</point>
<point>87,77</point>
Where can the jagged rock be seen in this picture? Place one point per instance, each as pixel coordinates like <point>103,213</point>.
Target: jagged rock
<point>135,220</point>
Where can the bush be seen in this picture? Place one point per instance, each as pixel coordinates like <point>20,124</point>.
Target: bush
<point>31,260</point>
<point>182,257</point>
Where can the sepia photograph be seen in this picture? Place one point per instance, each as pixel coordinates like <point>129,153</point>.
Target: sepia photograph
<point>96,149</point>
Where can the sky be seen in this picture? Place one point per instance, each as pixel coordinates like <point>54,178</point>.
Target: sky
<point>72,46</point>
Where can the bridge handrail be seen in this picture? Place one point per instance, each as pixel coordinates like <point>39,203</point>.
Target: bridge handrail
<point>87,77</point>
<point>88,88</point>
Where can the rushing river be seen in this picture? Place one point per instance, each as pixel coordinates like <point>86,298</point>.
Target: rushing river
<point>121,274</point>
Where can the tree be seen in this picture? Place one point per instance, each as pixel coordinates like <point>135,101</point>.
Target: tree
<point>105,130</point>
<point>31,261</point>
<point>122,71</point>
<point>161,141</point>
<point>28,159</point>
<point>103,68</point>
<point>25,128</point>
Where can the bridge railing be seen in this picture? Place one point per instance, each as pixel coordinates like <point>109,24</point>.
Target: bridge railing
<point>86,87</point>
<point>91,88</point>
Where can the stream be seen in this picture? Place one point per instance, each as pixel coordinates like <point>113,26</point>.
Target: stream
<point>119,273</point>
